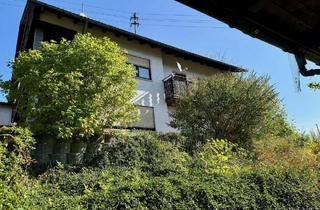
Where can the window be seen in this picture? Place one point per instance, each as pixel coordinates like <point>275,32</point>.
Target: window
<point>37,39</point>
<point>142,72</point>
<point>146,115</point>
<point>141,65</point>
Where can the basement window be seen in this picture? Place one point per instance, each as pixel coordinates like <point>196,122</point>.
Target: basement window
<point>141,66</point>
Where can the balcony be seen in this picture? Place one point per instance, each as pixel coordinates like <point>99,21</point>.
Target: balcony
<point>174,85</point>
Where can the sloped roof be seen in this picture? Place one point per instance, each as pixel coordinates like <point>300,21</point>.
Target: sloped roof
<point>29,12</point>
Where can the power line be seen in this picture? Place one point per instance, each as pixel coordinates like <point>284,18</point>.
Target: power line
<point>189,26</point>
<point>150,19</point>
<point>107,14</point>
<point>169,20</point>
<point>167,25</point>
<point>123,11</point>
<point>128,12</point>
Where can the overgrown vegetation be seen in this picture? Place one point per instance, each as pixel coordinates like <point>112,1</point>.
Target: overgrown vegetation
<point>147,170</point>
<point>314,85</point>
<point>15,146</point>
<point>236,149</point>
<point>73,89</point>
<point>236,108</point>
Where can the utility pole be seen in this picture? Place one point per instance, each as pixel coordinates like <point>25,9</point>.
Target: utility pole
<point>134,21</point>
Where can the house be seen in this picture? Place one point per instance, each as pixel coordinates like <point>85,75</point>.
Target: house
<point>158,78</point>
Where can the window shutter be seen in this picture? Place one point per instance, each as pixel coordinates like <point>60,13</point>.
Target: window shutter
<point>138,61</point>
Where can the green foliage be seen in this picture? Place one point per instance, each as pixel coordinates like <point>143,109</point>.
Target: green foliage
<point>314,85</point>
<point>145,170</point>
<point>15,146</point>
<point>289,154</point>
<point>235,108</point>
<point>145,150</point>
<point>220,157</point>
<point>73,89</point>
<point>131,188</point>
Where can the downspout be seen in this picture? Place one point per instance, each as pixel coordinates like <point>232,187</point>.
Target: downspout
<point>301,61</point>
<point>85,26</point>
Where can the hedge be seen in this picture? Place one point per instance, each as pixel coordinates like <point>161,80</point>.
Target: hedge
<point>148,170</point>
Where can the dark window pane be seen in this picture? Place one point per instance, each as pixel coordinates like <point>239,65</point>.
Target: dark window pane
<point>144,73</point>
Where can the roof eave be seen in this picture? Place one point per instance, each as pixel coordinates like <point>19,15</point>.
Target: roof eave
<point>183,53</point>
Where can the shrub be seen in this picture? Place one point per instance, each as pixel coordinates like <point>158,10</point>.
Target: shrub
<point>73,89</point>
<point>15,146</point>
<point>145,150</point>
<point>131,188</point>
<point>281,188</point>
<point>235,108</point>
<point>161,176</point>
<point>289,154</point>
<point>220,157</point>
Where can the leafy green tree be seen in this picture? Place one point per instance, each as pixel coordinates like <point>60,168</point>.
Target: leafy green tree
<point>225,106</point>
<point>73,89</point>
<point>314,85</point>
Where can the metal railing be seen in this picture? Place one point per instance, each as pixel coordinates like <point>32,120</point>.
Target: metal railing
<point>174,85</point>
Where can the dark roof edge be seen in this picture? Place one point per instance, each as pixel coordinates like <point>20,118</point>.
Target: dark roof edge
<point>165,47</point>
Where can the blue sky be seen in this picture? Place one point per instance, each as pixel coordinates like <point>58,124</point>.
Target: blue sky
<point>175,24</point>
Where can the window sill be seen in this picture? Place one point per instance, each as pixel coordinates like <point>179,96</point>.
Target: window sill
<point>144,79</point>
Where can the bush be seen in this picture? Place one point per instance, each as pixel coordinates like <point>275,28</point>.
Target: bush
<point>74,89</point>
<point>15,146</point>
<point>153,173</point>
<point>220,157</point>
<point>131,188</point>
<point>145,150</point>
<point>289,154</point>
<point>224,106</point>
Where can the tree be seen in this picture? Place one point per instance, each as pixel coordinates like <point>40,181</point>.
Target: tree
<point>73,89</point>
<point>314,85</point>
<point>225,106</point>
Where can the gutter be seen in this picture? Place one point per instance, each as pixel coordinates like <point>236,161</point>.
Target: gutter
<point>301,61</point>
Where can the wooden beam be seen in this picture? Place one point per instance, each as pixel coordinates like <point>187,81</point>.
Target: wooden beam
<point>27,28</point>
<point>258,5</point>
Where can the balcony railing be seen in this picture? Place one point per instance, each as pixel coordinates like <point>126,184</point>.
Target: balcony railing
<point>174,85</point>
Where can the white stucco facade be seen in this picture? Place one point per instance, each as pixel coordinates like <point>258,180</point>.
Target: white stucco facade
<point>150,93</point>
<point>5,114</point>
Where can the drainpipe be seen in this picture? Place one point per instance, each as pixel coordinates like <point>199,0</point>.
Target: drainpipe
<point>85,26</point>
<point>301,61</point>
